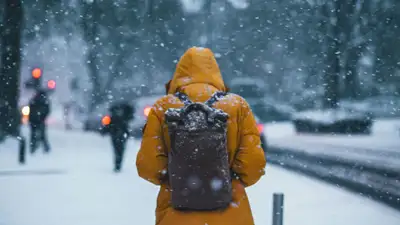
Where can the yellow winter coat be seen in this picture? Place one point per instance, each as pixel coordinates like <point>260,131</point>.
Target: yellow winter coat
<point>198,75</point>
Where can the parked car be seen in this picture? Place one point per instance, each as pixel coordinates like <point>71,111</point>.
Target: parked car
<point>341,121</point>
<point>308,99</point>
<point>93,121</point>
<point>266,109</point>
<point>269,110</point>
<point>251,89</point>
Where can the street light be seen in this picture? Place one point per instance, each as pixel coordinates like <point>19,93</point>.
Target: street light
<point>37,73</point>
<point>36,77</point>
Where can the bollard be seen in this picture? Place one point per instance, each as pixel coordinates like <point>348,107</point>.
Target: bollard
<point>22,149</point>
<point>277,213</point>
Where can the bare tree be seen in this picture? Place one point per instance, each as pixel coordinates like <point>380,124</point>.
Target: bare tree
<point>332,71</point>
<point>90,33</point>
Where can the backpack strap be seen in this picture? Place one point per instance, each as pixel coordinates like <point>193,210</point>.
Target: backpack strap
<point>215,97</point>
<point>184,98</point>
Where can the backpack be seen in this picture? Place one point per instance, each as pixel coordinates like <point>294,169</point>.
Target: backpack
<point>198,163</point>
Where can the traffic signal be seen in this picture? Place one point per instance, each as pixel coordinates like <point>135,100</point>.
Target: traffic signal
<point>37,73</point>
<point>51,84</point>
<point>36,77</point>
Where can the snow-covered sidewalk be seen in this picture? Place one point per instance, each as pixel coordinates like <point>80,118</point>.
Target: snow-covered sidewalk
<point>75,185</point>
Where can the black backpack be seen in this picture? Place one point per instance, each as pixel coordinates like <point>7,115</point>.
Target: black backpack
<point>198,163</point>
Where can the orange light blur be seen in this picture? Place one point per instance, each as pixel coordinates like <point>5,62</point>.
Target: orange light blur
<point>51,84</point>
<point>25,119</point>
<point>36,73</point>
<point>25,111</point>
<point>260,128</point>
<point>146,111</point>
<point>106,120</point>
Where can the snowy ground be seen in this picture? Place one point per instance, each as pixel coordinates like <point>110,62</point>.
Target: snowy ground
<point>75,185</point>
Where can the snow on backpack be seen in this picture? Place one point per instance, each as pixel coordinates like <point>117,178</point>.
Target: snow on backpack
<point>198,166</point>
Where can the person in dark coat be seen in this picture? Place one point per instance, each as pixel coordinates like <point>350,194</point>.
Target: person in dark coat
<point>39,110</point>
<point>118,128</point>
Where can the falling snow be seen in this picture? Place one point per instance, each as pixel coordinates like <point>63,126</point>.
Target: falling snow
<point>322,79</point>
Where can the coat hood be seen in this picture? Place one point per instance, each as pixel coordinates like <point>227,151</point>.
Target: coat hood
<point>196,66</point>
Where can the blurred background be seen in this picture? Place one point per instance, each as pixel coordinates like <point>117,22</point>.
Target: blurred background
<point>324,74</point>
<point>296,49</point>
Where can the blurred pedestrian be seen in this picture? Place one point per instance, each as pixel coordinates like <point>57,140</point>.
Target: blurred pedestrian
<point>117,125</point>
<point>67,115</point>
<point>39,107</point>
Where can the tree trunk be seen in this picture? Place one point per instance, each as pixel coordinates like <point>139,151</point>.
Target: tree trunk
<point>94,75</point>
<point>149,24</point>
<point>119,68</point>
<point>332,76</point>
<point>90,24</point>
<point>332,73</point>
<point>10,69</point>
<point>351,81</point>
<point>348,19</point>
<point>209,22</point>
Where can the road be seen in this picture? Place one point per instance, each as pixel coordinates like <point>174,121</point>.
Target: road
<point>75,185</point>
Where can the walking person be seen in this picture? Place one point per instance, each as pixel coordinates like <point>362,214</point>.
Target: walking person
<point>68,106</point>
<point>39,107</point>
<point>118,128</point>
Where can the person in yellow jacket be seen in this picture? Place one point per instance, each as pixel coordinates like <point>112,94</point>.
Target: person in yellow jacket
<point>198,76</point>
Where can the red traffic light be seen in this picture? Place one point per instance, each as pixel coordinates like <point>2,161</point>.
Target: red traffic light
<point>51,84</point>
<point>36,73</point>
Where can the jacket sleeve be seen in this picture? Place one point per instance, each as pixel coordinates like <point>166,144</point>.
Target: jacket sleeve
<point>151,160</point>
<point>249,161</point>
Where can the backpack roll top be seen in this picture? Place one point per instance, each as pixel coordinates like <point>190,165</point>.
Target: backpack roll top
<point>194,112</point>
<point>198,167</point>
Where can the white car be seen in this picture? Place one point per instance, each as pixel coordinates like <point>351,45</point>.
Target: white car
<point>267,109</point>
